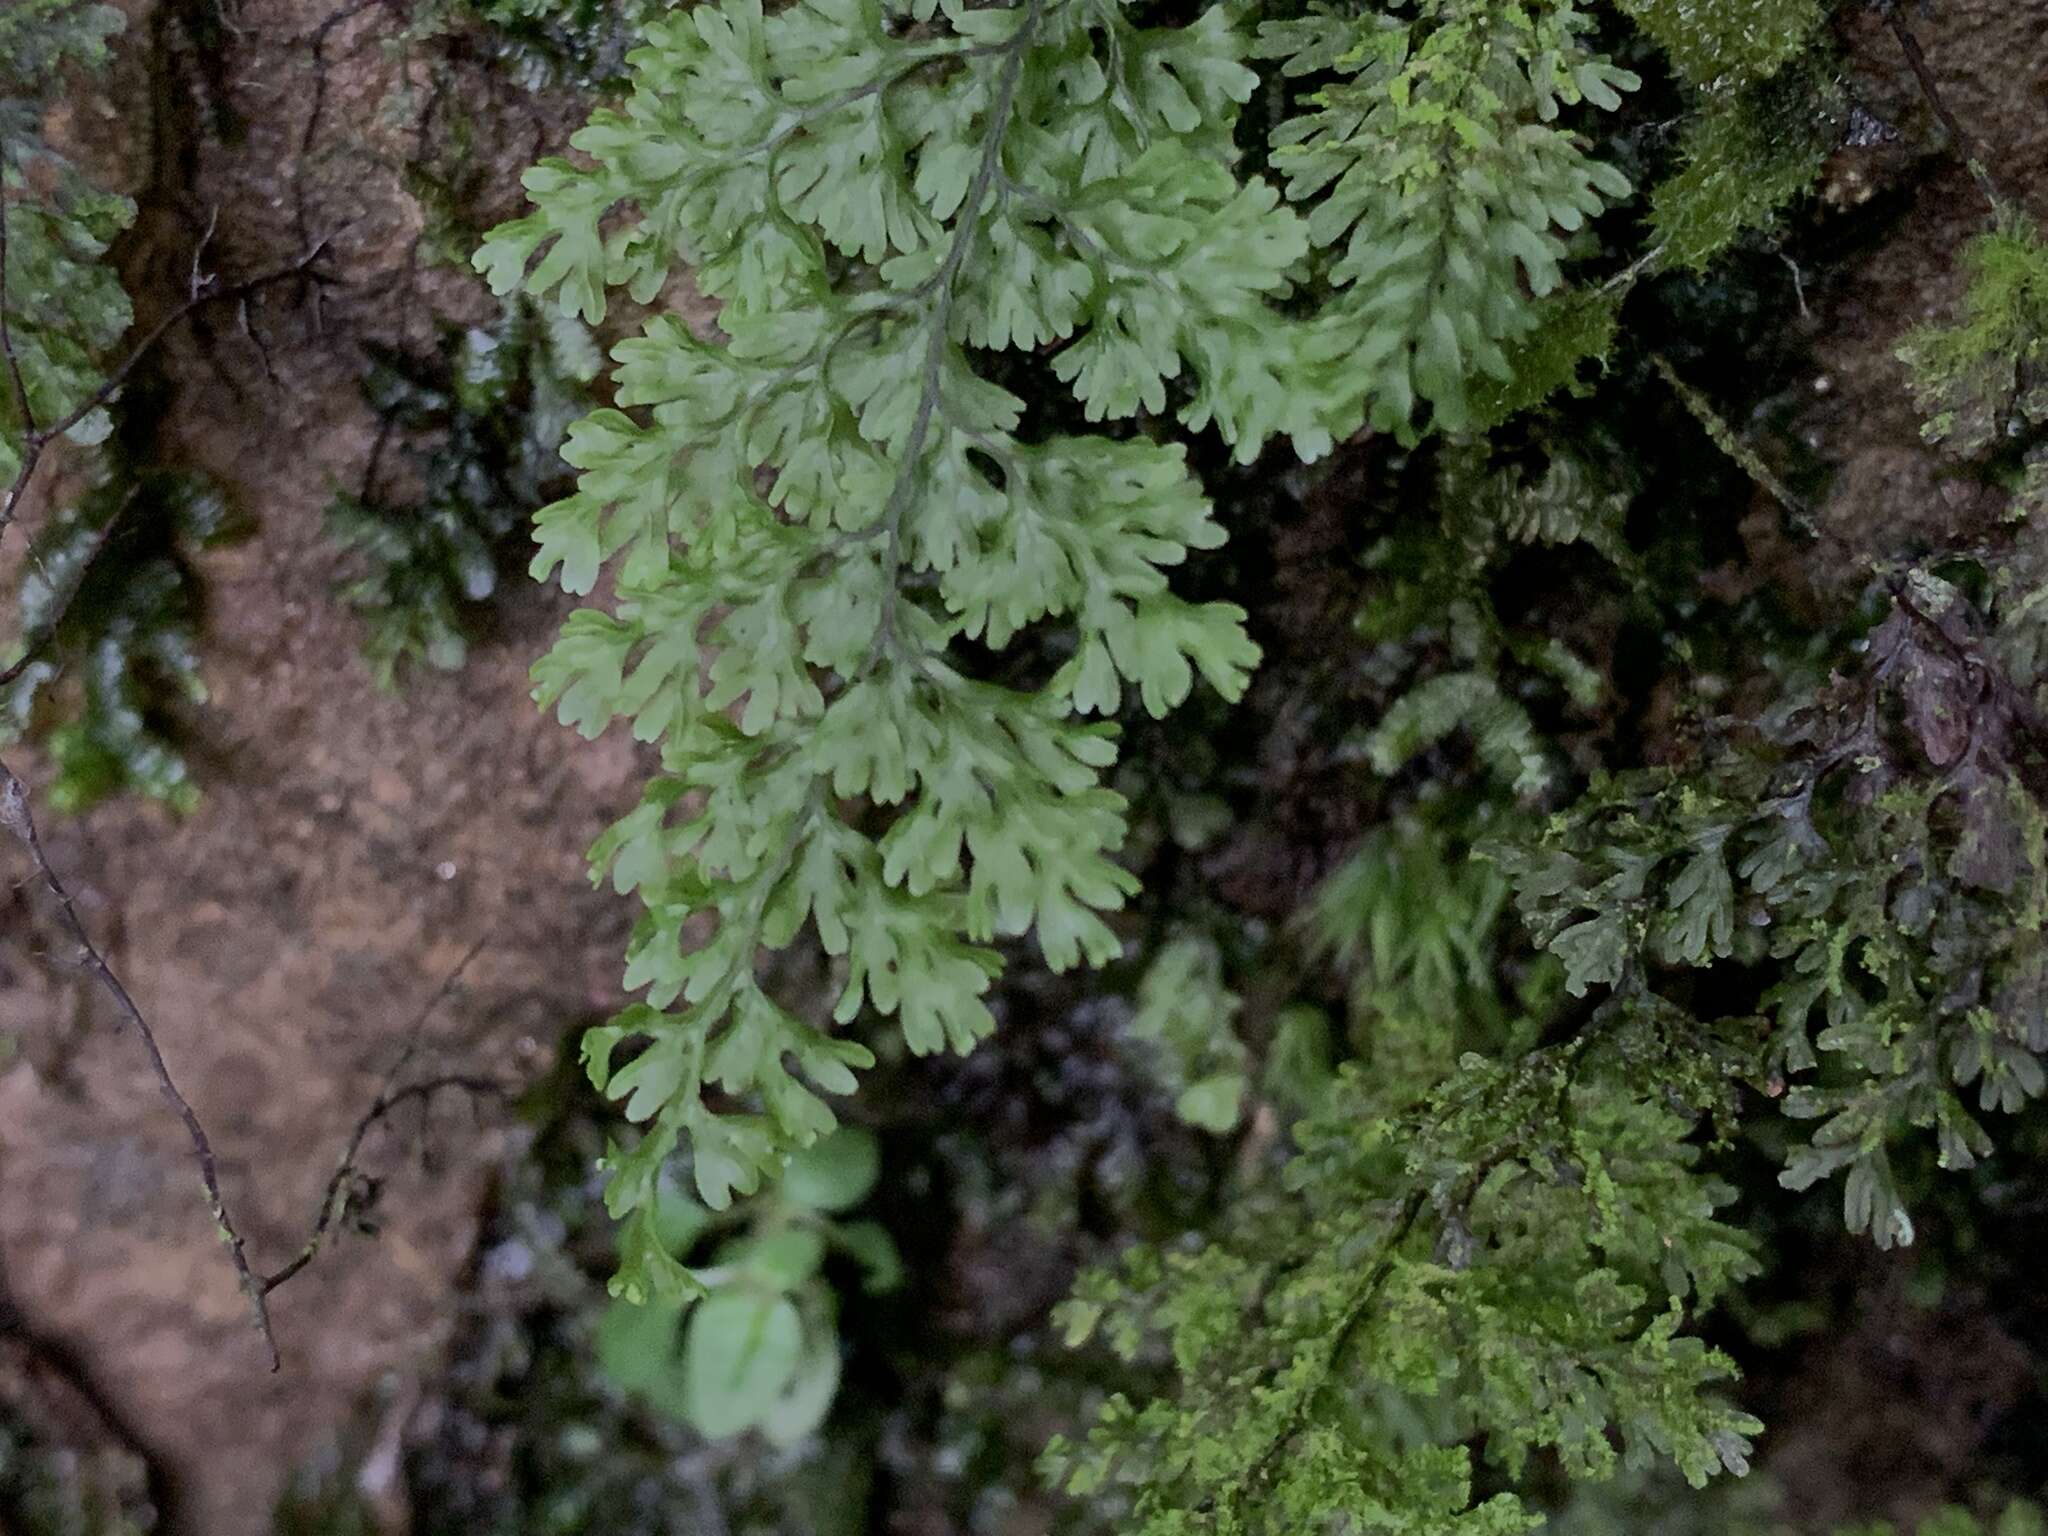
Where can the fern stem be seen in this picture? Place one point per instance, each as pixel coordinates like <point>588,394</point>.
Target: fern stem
<point>846,98</point>
<point>940,284</point>
<point>1332,1346</point>
<point>1726,439</point>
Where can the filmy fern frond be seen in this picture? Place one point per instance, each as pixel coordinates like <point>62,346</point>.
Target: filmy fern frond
<point>838,492</point>
<point>492,410</point>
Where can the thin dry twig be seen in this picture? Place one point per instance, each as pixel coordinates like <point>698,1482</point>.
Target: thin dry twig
<point>1964,146</point>
<point>334,1201</point>
<point>16,818</point>
<point>208,291</point>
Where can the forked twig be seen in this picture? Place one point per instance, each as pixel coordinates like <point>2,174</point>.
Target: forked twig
<point>37,438</point>
<point>334,1200</point>
<point>16,818</point>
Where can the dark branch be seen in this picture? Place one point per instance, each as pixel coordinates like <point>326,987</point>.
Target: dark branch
<point>208,294</point>
<point>334,1201</point>
<point>1964,146</point>
<point>15,818</point>
<point>35,439</point>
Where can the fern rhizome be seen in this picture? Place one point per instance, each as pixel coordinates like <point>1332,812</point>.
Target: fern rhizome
<point>982,274</point>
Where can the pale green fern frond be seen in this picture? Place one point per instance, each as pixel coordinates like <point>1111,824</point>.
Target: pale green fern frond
<point>803,517</point>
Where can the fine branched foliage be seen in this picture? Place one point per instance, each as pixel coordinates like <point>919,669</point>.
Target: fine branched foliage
<point>493,409</point>
<point>1443,182</point>
<point>883,557</point>
<point>545,43</point>
<point>1764,111</point>
<point>1410,918</point>
<point>1507,1258</point>
<point>1435,594</point>
<point>1740,41</point>
<point>1751,148</point>
<point>1511,1257</point>
<point>1875,848</point>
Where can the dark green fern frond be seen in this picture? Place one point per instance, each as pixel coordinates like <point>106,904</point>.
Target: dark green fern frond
<point>65,306</point>
<point>102,692</point>
<point>1876,853</point>
<point>491,413</point>
<point>1443,182</point>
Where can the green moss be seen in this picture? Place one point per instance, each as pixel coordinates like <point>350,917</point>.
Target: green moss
<point>1745,154</point>
<point>101,689</point>
<point>1715,42</point>
<point>1984,376</point>
<point>1573,328</point>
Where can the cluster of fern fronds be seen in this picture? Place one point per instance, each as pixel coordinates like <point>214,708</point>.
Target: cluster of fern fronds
<point>886,556</point>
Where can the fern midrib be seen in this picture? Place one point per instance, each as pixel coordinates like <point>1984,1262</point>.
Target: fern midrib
<point>903,491</point>
<point>817,110</point>
<point>940,289</point>
<point>1330,1348</point>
